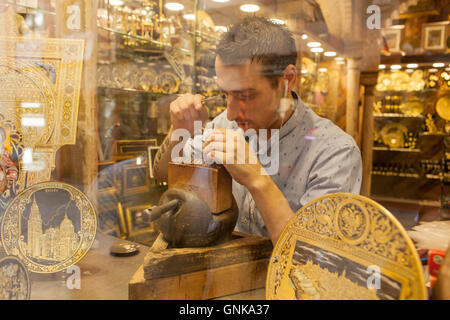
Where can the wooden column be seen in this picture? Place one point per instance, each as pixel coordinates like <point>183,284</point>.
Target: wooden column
<point>78,163</point>
<point>368,80</point>
<point>352,114</point>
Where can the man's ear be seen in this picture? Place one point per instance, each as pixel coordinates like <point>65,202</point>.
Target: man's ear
<point>290,74</point>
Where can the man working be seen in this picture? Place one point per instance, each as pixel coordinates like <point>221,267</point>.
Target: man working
<point>255,67</point>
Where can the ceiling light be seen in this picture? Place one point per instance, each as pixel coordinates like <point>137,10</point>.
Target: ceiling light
<point>313,44</point>
<point>316,50</point>
<point>433,70</point>
<point>304,36</point>
<point>438,65</point>
<point>323,69</point>
<point>396,67</point>
<point>116,2</point>
<point>330,54</point>
<point>278,21</point>
<point>249,7</point>
<point>174,6</point>
<point>412,65</point>
<point>189,16</point>
<point>409,70</point>
<point>221,28</point>
<point>304,71</point>
<point>381,67</point>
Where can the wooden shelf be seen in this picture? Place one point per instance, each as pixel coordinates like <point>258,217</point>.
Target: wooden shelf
<point>429,203</point>
<point>402,175</point>
<point>396,149</point>
<point>396,115</point>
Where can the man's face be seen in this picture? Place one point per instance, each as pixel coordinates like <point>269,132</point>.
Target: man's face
<point>251,101</point>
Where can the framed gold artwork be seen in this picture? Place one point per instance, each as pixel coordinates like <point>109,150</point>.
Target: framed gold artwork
<point>434,36</point>
<point>393,37</point>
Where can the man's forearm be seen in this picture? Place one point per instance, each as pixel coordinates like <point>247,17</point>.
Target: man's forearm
<point>272,205</point>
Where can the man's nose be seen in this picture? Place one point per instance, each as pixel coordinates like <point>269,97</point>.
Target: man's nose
<point>233,108</point>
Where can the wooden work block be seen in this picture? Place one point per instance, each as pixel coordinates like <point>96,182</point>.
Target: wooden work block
<point>211,183</point>
<point>203,273</point>
<point>206,284</point>
<point>170,262</point>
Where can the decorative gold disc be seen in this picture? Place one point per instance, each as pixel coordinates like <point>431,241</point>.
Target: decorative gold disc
<point>443,108</point>
<point>15,281</point>
<point>393,135</point>
<point>49,226</point>
<point>344,246</point>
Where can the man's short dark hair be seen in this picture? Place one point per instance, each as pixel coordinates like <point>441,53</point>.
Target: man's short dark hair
<point>257,39</point>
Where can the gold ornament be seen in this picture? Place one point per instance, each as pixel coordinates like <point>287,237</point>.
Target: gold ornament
<point>49,226</point>
<point>344,246</point>
<point>443,108</point>
<point>393,135</point>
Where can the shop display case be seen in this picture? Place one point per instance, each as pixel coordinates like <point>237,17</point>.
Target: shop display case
<point>410,125</point>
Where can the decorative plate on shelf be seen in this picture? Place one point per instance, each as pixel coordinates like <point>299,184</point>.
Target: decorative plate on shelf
<point>344,246</point>
<point>49,226</point>
<point>393,135</point>
<point>443,108</point>
<point>414,107</point>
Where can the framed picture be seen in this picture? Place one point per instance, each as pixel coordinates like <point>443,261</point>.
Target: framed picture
<point>135,179</point>
<point>151,154</point>
<point>434,36</point>
<point>127,149</point>
<point>393,37</point>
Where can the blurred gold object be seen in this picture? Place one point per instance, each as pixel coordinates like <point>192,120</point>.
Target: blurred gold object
<point>328,248</point>
<point>431,126</point>
<point>413,107</point>
<point>443,108</point>
<point>393,135</point>
<point>168,82</point>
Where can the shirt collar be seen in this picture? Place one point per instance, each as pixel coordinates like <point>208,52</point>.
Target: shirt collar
<point>296,117</point>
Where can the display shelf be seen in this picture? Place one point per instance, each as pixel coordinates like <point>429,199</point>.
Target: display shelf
<point>13,3</point>
<point>428,203</point>
<point>415,92</point>
<point>392,174</point>
<point>396,149</point>
<point>397,115</point>
<point>136,91</point>
<point>156,44</point>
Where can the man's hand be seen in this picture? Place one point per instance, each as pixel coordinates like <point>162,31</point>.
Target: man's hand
<point>239,159</point>
<point>243,165</point>
<point>187,109</point>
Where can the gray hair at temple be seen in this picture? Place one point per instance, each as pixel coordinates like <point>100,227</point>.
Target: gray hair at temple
<point>257,39</point>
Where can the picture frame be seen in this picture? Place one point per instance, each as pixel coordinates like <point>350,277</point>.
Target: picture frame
<point>151,154</point>
<point>393,37</point>
<point>135,179</point>
<point>434,36</point>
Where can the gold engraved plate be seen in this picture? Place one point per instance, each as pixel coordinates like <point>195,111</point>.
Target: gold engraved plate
<point>344,246</point>
<point>50,226</point>
<point>443,108</point>
<point>15,281</point>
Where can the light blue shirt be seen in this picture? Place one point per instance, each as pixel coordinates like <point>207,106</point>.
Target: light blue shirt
<point>315,158</point>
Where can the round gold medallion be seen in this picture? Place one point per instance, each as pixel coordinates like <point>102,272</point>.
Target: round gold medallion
<point>49,226</point>
<point>14,279</point>
<point>443,108</point>
<point>344,246</point>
